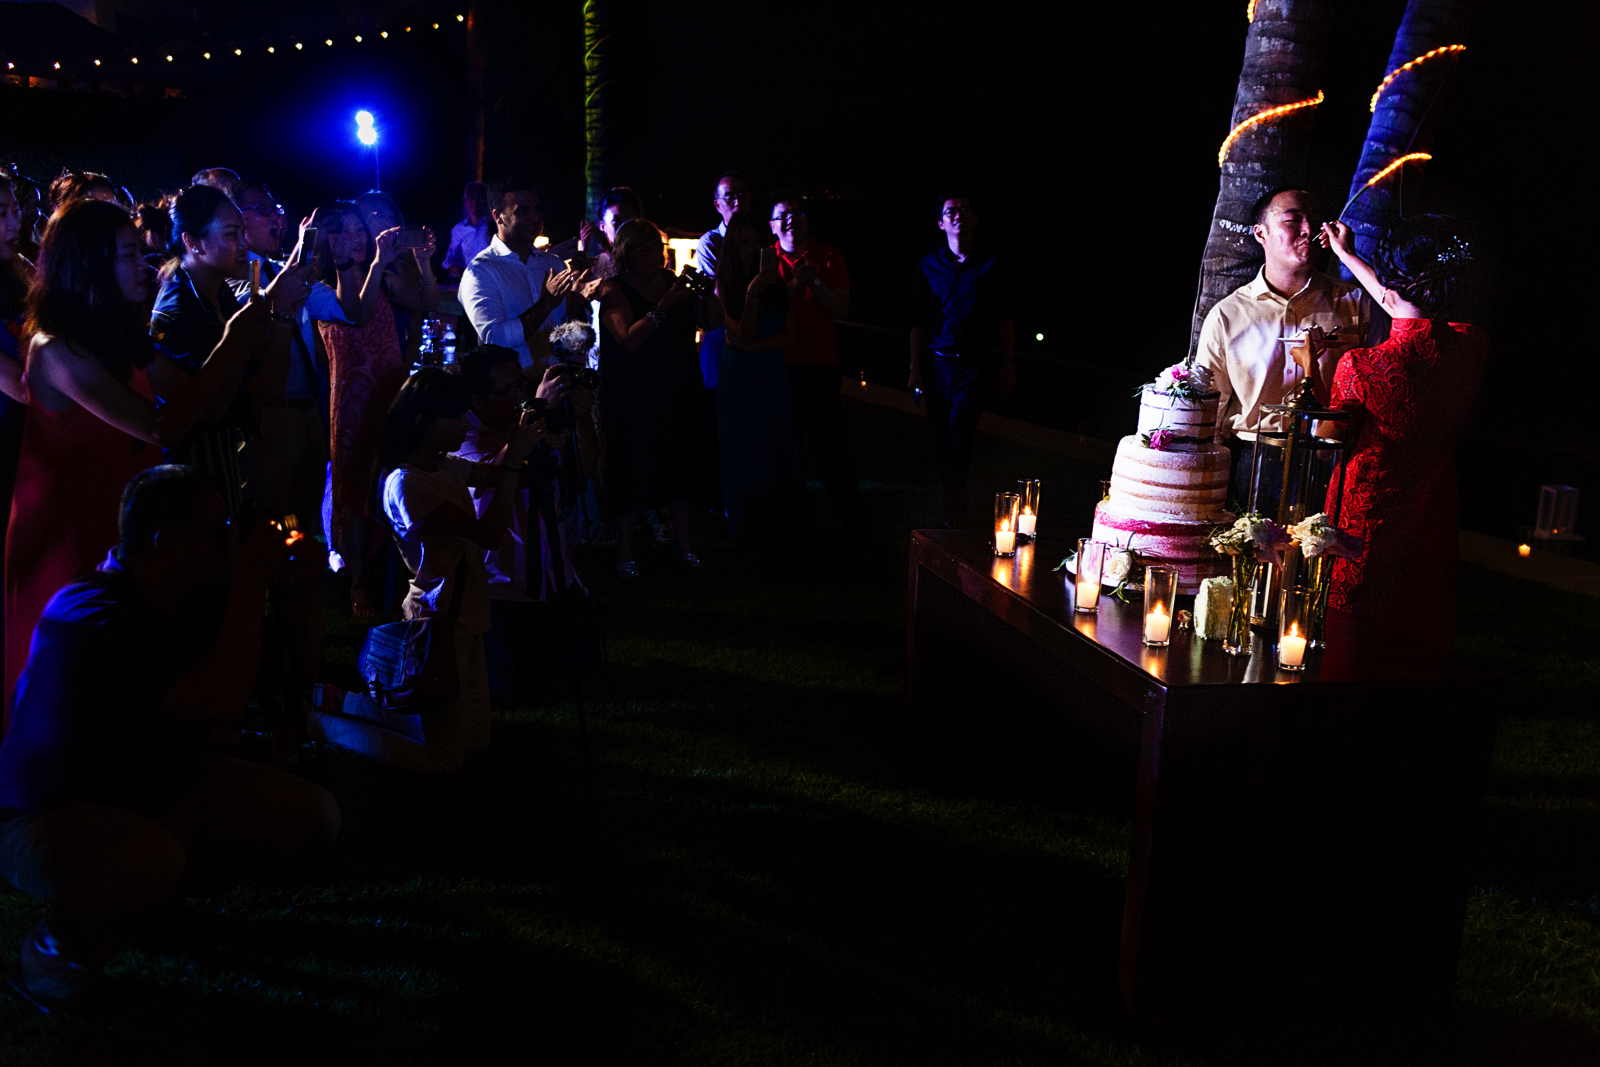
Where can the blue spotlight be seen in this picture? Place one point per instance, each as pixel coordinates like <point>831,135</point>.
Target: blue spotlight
<point>367,136</point>
<point>364,118</point>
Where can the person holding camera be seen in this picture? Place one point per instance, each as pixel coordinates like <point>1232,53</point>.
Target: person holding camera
<point>427,498</point>
<point>92,421</point>
<point>366,369</point>
<point>535,596</point>
<point>108,804</point>
<point>650,387</point>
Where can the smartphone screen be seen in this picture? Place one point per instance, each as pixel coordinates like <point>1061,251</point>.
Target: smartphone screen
<point>411,239</point>
<point>308,245</point>
<point>769,258</point>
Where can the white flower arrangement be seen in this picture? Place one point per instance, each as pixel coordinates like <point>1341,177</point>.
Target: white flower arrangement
<point>1317,537</point>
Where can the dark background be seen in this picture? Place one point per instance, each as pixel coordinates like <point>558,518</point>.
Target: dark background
<point>1087,134</point>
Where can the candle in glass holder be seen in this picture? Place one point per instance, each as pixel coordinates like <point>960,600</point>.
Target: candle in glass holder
<point>1005,523</point>
<point>1524,551</point>
<point>1091,554</point>
<point>1028,516</point>
<point>1160,589</point>
<point>1292,649</point>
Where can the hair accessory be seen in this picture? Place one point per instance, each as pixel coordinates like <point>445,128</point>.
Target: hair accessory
<point>1457,251</point>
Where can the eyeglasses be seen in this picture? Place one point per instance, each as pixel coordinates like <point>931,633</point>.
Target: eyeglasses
<point>265,209</point>
<point>732,198</point>
<point>952,212</point>
<point>787,216</point>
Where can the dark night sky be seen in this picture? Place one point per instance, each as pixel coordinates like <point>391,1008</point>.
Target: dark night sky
<point>1089,131</point>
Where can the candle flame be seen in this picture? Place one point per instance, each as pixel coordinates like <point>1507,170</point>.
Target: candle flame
<point>1524,550</point>
<point>1005,525</point>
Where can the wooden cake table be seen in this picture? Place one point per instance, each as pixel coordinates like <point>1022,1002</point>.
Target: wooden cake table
<point>1296,837</point>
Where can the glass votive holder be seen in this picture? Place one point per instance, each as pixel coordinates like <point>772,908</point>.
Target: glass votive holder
<point>1091,556</point>
<point>1005,523</point>
<point>1160,593</point>
<point>1028,516</point>
<point>1295,611</point>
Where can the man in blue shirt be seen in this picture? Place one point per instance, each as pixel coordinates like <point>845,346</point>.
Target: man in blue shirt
<point>963,344</point>
<point>107,801</point>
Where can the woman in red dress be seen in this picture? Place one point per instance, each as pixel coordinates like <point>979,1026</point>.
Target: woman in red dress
<point>92,423</point>
<point>1392,608</point>
<point>367,367</point>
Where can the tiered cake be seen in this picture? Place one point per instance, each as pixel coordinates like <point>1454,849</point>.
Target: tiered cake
<point>1169,482</point>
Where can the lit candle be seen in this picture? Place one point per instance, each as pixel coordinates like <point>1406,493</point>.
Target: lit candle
<point>1088,595</point>
<point>1005,539</point>
<point>1026,522</point>
<point>1524,551</point>
<point>1292,648</point>
<point>1156,626</point>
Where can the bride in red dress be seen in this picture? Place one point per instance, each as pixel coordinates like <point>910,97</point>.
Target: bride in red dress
<point>1392,608</point>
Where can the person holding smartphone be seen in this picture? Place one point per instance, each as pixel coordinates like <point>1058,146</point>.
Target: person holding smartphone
<point>761,485</point>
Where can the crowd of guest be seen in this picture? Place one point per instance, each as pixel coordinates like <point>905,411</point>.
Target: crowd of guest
<point>193,387</point>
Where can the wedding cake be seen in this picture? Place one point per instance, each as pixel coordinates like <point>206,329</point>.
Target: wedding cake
<point>1169,481</point>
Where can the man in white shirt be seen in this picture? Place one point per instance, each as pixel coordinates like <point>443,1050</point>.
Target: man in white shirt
<point>1241,340</point>
<point>514,294</point>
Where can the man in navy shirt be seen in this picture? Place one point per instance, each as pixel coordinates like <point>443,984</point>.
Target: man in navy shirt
<point>107,801</point>
<point>963,344</point>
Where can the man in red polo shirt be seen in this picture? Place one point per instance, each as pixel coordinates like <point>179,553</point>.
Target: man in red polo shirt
<point>819,292</point>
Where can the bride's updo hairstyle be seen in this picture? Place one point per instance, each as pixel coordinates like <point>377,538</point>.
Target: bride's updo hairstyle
<point>1425,259</point>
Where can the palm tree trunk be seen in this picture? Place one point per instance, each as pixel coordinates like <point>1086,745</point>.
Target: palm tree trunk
<point>1404,118</point>
<point>595,82</point>
<point>1282,60</point>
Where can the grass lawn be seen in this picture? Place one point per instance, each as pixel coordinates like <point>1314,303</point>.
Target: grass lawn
<point>755,867</point>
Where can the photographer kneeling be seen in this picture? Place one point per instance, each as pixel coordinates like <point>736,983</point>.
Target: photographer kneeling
<point>106,802</point>
<point>536,601</point>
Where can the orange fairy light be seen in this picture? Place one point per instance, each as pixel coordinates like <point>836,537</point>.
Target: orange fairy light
<point>1396,165</point>
<point>1264,116</point>
<point>1449,49</point>
<point>1250,12</point>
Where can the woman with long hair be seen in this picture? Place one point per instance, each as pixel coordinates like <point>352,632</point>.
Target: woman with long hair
<point>92,376</point>
<point>762,489</point>
<point>366,368</point>
<point>1392,606</point>
<point>426,498</point>
<point>649,388</point>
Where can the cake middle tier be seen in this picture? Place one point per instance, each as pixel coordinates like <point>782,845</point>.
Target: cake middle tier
<point>1180,485</point>
<point>1183,546</point>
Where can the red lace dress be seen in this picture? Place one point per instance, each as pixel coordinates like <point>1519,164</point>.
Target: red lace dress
<point>367,369</point>
<point>1393,609</point>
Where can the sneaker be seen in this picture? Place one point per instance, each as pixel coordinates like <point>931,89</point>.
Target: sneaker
<point>691,561</point>
<point>628,570</point>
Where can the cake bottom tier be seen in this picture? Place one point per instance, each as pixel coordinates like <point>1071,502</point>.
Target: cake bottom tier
<point>1175,543</point>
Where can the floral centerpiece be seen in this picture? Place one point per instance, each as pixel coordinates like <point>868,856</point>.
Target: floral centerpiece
<point>1250,541</point>
<point>1320,543</point>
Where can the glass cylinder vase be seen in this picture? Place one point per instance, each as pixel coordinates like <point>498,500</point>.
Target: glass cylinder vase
<point>1237,640</point>
<point>1091,556</point>
<point>1028,515</point>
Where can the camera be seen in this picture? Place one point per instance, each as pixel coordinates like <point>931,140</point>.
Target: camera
<point>577,374</point>
<point>556,419</point>
<point>701,285</point>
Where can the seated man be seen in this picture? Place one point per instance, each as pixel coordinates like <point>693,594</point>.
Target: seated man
<point>106,801</point>
<point>536,601</point>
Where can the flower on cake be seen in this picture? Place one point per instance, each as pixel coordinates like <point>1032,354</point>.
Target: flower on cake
<point>1252,535</point>
<point>1186,381</point>
<point>1318,537</point>
<point>1161,440</point>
